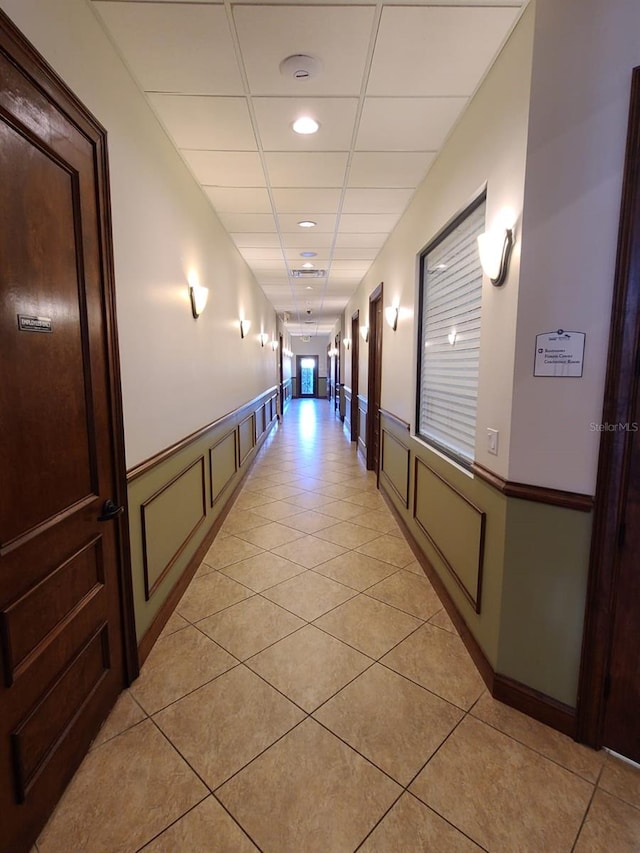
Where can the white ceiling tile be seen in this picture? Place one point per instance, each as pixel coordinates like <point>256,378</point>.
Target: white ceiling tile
<point>175,48</point>
<point>262,240</point>
<point>338,266</point>
<point>436,51</point>
<point>356,241</point>
<point>295,261</point>
<point>376,200</point>
<point>325,222</point>
<point>264,266</point>
<point>355,254</point>
<point>294,200</point>
<point>306,170</point>
<point>407,124</point>
<point>248,222</point>
<point>296,242</point>
<point>226,168</point>
<point>269,34</point>
<point>205,122</point>
<point>336,117</point>
<point>364,223</point>
<point>254,255</point>
<point>239,199</point>
<point>389,168</point>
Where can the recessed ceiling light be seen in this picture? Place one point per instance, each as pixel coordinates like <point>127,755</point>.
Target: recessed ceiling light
<point>305,125</point>
<point>307,266</point>
<point>309,287</point>
<point>307,223</point>
<point>308,254</point>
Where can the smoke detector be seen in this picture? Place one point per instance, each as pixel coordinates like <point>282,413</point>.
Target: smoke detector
<point>300,67</point>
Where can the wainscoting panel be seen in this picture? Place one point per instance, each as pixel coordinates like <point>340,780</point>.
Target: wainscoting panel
<point>362,424</point>
<point>454,526</point>
<point>223,464</point>
<point>170,518</point>
<point>347,407</point>
<point>246,437</point>
<point>395,466</point>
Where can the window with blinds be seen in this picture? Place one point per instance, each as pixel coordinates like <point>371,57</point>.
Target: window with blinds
<point>449,346</point>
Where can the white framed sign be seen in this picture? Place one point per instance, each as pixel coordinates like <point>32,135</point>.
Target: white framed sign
<point>559,354</point>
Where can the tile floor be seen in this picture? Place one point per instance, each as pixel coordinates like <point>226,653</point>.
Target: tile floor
<point>311,694</point>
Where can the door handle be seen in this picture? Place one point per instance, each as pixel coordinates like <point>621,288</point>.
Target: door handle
<point>110,511</point>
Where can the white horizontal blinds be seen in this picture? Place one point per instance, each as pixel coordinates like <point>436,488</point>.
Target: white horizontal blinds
<point>451,303</point>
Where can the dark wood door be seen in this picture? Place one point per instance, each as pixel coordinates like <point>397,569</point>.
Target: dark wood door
<point>355,384</point>
<point>375,379</point>
<point>62,652</point>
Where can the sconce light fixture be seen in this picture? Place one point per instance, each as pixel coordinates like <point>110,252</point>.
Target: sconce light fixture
<point>264,338</point>
<point>274,344</point>
<point>245,325</point>
<point>199,296</point>
<point>364,333</point>
<point>347,343</point>
<point>391,316</point>
<point>495,250</point>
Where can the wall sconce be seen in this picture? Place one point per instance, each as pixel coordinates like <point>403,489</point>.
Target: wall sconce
<point>347,343</point>
<point>245,325</point>
<point>199,296</point>
<point>364,333</point>
<point>274,345</point>
<point>264,338</point>
<point>391,316</point>
<point>495,250</point>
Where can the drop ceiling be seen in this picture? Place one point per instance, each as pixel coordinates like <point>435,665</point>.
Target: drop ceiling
<point>394,79</point>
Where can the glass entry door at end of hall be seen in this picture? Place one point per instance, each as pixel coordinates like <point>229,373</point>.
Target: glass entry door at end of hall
<point>308,375</point>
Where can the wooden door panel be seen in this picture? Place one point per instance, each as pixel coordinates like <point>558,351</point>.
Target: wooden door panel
<point>62,661</point>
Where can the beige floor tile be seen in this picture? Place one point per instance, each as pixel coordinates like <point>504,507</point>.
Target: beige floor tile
<point>502,794</point>
<point>415,568</point>
<point>554,745</point>
<point>408,592</point>
<point>308,500</point>
<point>124,714</point>
<point>438,661</point>
<point>124,794</point>
<point>174,623</point>
<point>356,570</point>
<point>309,595</point>
<point>250,500</point>
<point>204,829</point>
<point>368,625</point>
<point>309,484</point>
<point>411,827</point>
<point>380,520</point>
<point>309,794</point>
<point>309,666</point>
<point>176,666</point>
<point>342,510</point>
<point>240,520</point>
<point>391,721</point>
<point>257,483</point>
<point>309,521</point>
<point>340,492</point>
<point>310,551</point>
<point>389,548</point>
<point>225,724</point>
<point>250,626</point>
<point>278,510</point>
<point>621,779</point>
<point>209,594</point>
<point>611,825</point>
<point>224,552</point>
<point>347,534</point>
<point>262,571</point>
<point>370,500</point>
<point>442,620</point>
<point>281,491</point>
<point>271,535</point>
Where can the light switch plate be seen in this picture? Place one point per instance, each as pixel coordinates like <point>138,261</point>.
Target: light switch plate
<point>492,441</point>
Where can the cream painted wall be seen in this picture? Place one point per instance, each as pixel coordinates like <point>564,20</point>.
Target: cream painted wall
<point>316,346</point>
<point>178,374</point>
<point>584,53</point>
<point>488,146</point>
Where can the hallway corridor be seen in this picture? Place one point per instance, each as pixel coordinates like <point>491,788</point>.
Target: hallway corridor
<point>310,693</point>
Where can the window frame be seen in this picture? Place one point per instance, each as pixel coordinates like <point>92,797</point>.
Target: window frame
<point>449,228</point>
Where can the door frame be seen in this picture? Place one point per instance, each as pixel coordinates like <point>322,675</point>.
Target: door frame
<point>24,55</point>
<point>355,376</point>
<point>621,387</point>
<point>374,378</point>
<point>316,371</point>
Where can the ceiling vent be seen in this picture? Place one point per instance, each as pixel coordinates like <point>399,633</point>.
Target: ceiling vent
<point>300,66</point>
<point>308,273</point>
<point>305,339</point>
<point>309,322</point>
